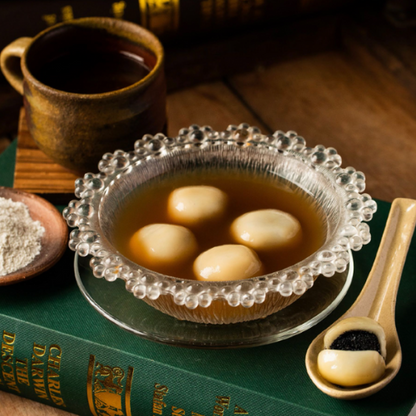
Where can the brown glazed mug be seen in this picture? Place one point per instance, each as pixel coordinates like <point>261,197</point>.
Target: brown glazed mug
<point>89,86</point>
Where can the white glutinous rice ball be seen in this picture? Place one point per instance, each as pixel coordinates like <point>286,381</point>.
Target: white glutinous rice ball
<point>227,262</point>
<point>266,229</point>
<point>351,368</point>
<point>192,205</point>
<point>355,352</point>
<point>163,243</point>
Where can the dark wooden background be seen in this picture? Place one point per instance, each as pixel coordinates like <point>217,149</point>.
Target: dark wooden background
<point>344,79</point>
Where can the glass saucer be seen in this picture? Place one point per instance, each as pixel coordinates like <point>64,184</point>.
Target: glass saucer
<point>113,302</point>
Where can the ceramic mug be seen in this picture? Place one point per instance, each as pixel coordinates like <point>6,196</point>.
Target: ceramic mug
<point>89,86</point>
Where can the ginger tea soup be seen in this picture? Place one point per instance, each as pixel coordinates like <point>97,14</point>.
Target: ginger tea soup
<point>191,213</point>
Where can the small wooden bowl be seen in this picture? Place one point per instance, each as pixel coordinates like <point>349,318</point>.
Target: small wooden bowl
<point>54,240</point>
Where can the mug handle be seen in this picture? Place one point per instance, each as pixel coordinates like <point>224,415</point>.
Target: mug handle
<point>8,62</point>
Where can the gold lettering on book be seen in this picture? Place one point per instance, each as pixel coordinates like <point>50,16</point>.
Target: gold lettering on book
<point>53,375</point>
<point>159,393</point>
<point>67,13</point>
<point>160,16</point>
<point>7,370</point>
<point>239,410</point>
<point>40,388</point>
<point>22,372</point>
<point>106,389</point>
<point>54,357</point>
<point>223,401</point>
<point>50,19</point>
<point>218,410</point>
<point>176,411</point>
<point>37,371</point>
<point>39,350</point>
<point>118,8</point>
<point>195,414</point>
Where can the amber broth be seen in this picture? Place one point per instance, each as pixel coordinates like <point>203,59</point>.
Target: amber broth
<point>245,191</point>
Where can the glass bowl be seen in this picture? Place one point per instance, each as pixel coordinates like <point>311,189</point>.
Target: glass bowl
<point>337,193</point>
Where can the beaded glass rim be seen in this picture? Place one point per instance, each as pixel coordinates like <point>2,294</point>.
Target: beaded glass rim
<point>106,262</point>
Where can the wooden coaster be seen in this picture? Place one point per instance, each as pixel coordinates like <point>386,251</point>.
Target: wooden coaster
<point>36,173</point>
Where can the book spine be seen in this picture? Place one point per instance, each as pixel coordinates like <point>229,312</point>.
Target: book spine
<point>166,18</point>
<point>177,17</point>
<point>87,378</point>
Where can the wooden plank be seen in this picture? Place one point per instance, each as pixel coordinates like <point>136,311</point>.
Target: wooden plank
<point>393,47</point>
<point>360,110</point>
<point>35,172</point>
<point>212,104</point>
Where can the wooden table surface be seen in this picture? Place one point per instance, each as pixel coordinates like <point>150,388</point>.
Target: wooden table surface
<point>344,98</point>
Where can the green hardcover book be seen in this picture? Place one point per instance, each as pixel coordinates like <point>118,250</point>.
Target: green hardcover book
<point>57,349</point>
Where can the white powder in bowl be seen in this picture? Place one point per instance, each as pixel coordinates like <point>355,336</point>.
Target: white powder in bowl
<point>20,236</point>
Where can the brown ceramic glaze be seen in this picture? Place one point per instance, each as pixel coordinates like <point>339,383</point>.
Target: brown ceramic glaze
<point>76,129</point>
<point>54,240</point>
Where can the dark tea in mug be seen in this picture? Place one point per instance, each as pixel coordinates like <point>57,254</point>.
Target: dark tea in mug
<point>93,72</point>
<point>87,61</point>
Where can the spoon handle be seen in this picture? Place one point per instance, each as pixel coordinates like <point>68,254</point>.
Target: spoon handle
<point>378,297</point>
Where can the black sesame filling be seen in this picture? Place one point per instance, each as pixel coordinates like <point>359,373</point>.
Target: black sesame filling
<point>357,341</point>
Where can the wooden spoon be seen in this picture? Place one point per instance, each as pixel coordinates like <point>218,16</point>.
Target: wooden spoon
<point>377,300</point>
